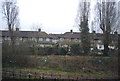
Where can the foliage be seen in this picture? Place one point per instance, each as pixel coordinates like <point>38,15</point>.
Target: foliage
<point>10,14</point>
<point>62,51</point>
<point>19,57</point>
<point>76,49</point>
<point>85,40</point>
<point>102,67</point>
<point>69,53</point>
<point>49,51</point>
<point>96,52</point>
<point>84,16</point>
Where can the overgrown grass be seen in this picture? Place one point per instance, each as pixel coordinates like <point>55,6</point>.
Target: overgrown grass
<point>84,66</point>
<point>6,65</point>
<point>102,57</point>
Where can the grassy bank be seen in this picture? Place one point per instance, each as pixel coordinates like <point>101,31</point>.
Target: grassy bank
<point>84,66</point>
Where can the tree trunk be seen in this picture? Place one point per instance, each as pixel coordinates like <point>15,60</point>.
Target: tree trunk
<point>106,50</point>
<point>106,43</point>
<point>12,41</point>
<point>118,45</point>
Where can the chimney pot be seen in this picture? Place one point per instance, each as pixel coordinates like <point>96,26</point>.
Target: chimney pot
<point>17,29</point>
<point>115,33</point>
<point>93,31</point>
<point>71,31</point>
<point>39,30</point>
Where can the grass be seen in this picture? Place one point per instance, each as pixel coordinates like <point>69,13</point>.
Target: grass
<point>61,72</point>
<point>58,71</point>
<point>11,65</point>
<point>73,65</point>
<point>103,57</point>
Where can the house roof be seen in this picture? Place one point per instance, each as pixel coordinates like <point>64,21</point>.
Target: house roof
<point>70,35</point>
<point>27,34</point>
<point>75,35</point>
<point>41,34</point>
<point>55,36</point>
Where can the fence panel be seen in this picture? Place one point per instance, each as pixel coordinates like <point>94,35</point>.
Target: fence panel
<point>19,74</point>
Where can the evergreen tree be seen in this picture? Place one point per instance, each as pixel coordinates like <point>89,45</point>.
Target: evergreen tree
<point>84,10</point>
<point>85,41</point>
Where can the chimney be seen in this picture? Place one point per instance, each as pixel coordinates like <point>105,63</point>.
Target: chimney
<point>115,32</point>
<point>93,31</point>
<point>17,29</point>
<point>39,30</point>
<point>71,31</point>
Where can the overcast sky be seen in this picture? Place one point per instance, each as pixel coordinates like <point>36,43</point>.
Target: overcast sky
<point>54,16</point>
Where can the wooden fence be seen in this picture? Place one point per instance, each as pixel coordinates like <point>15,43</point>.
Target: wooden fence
<point>20,74</point>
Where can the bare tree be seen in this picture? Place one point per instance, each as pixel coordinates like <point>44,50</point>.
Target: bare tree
<point>118,18</point>
<point>119,29</point>
<point>10,12</point>
<point>84,8</point>
<point>108,21</point>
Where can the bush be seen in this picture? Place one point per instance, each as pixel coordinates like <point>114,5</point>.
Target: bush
<point>76,49</point>
<point>46,50</point>
<point>63,51</point>
<point>18,57</point>
<point>69,53</point>
<point>51,51</point>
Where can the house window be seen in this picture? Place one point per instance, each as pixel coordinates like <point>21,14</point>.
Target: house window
<point>72,39</point>
<point>33,39</point>
<point>100,47</point>
<point>5,38</point>
<point>47,39</point>
<point>99,41</point>
<point>8,38</point>
<point>0,40</point>
<point>75,39</point>
<point>40,39</point>
<point>20,38</point>
<point>61,39</point>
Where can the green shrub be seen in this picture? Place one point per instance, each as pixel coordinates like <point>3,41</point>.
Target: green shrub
<point>19,56</point>
<point>51,51</point>
<point>69,53</point>
<point>76,49</point>
<point>63,51</point>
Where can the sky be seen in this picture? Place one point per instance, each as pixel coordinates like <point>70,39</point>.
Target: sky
<point>52,16</point>
<point>56,16</point>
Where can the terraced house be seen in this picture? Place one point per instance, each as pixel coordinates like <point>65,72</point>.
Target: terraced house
<point>69,38</point>
<point>66,39</point>
<point>33,37</point>
<point>42,39</point>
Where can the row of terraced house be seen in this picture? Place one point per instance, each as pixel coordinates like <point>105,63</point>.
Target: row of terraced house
<point>42,39</point>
